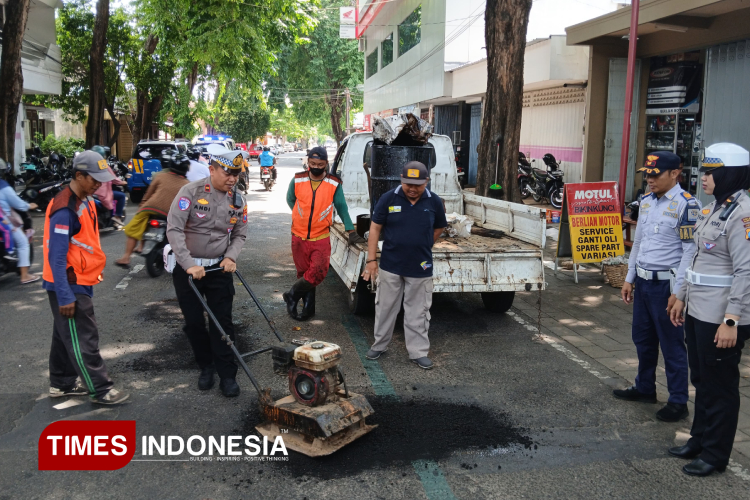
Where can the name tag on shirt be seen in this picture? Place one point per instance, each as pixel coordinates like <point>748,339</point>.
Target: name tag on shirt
<point>394,209</point>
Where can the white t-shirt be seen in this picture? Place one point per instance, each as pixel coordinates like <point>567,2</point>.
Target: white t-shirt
<point>197,171</point>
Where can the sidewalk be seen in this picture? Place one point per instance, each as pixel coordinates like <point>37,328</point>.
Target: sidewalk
<point>592,318</point>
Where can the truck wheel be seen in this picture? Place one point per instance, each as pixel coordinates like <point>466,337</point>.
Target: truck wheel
<point>136,196</point>
<point>155,263</point>
<point>498,302</point>
<point>362,301</point>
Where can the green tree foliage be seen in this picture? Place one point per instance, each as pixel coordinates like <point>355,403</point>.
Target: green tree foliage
<point>75,22</point>
<point>242,114</point>
<point>318,71</point>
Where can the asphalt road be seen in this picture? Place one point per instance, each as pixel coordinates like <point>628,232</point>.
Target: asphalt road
<point>503,414</point>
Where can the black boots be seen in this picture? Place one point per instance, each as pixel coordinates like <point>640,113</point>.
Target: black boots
<point>299,290</point>
<point>308,305</point>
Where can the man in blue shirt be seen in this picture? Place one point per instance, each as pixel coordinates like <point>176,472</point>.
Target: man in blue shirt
<point>662,251</point>
<point>267,159</point>
<point>412,218</point>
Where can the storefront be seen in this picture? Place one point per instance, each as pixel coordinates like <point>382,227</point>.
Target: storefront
<point>691,91</point>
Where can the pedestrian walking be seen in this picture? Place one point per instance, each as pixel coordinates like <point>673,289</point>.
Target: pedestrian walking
<point>207,227</point>
<point>717,319</point>
<point>312,196</point>
<point>660,255</point>
<point>411,218</point>
<point>73,264</point>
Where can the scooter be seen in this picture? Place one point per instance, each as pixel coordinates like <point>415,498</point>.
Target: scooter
<point>105,217</point>
<point>547,183</point>
<point>154,241</point>
<point>11,266</point>
<point>268,176</point>
<point>42,194</point>
<point>524,176</point>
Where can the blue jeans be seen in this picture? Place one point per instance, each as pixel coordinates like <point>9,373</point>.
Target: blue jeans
<point>651,329</point>
<point>119,199</point>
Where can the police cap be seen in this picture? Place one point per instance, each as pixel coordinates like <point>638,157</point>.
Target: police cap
<point>660,161</point>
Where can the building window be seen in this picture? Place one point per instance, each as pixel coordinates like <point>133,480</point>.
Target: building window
<point>372,63</point>
<point>410,31</point>
<point>386,49</point>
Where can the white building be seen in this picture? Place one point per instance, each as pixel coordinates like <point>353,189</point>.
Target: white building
<point>430,54</point>
<point>40,64</point>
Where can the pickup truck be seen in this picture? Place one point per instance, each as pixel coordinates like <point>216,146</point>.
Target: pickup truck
<point>503,254</point>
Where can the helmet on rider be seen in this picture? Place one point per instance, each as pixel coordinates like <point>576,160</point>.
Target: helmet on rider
<point>266,148</point>
<point>194,153</point>
<point>180,164</point>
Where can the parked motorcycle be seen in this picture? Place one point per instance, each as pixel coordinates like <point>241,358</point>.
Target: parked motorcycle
<point>154,241</point>
<point>524,175</point>
<point>43,193</point>
<point>11,266</point>
<point>268,177</point>
<point>547,184</point>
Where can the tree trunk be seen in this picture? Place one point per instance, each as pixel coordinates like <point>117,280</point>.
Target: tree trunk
<point>97,98</point>
<point>116,123</point>
<point>11,76</point>
<point>335,103</point>
<point>505,37</point>
<point>142,102</point>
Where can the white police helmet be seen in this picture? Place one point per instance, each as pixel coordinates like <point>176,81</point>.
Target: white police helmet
<point>725,154</point>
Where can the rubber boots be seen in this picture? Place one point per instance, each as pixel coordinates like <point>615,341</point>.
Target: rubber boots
<point>308,305</point>
<point>295,294</point>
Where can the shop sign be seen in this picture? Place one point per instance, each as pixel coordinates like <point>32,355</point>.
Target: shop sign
<point>366,123</point>
<point>674,85</point>
<point>591,210</point>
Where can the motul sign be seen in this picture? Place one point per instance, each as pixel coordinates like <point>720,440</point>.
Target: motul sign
<point>593,194</point>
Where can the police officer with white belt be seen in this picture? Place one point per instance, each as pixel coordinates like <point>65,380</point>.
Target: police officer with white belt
<point>717,320</point>
<point>660,255</point>
<point>207,227</point>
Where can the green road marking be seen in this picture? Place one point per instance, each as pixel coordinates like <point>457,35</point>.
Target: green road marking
<point>380,383</point>
<point>79,357</point>
<point>433,481</point>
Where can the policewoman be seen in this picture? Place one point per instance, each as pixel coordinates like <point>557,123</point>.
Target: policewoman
<point>312,196</point>
<point>661,253</point>
<point>207,227</point>
<point>717,318</point>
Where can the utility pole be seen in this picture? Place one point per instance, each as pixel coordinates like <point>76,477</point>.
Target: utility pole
<point>348,104</point>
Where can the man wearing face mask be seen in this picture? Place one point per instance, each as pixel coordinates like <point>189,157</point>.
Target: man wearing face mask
<point>312,195</point>
<point>717,318</point>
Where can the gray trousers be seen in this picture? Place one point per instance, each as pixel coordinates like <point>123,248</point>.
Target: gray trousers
<point>417,297</point>
<point>75,349</point>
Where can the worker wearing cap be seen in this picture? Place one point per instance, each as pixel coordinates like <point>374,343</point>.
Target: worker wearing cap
<point>660,255</point>
<point>412,219</point>
<point>206,228</point>
<point>73,264</point>
<point>717,295</point>
<point>312,196</point>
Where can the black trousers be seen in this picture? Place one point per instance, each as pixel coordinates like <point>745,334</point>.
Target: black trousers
<point>716,376</point>
<point>75,349</point>
<point>218,290</point>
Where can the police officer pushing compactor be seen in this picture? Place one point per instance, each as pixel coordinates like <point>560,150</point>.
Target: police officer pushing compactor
<point>206,227</point>
<point>660,255</point>
<point>717,319</point>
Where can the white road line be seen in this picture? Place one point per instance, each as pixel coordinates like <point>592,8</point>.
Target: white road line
<point>733,466</point>
<point>68,404</point>
<point>555,344</point>
<point>124,282</point>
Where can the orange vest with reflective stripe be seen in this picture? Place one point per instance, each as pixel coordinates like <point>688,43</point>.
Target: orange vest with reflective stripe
<point>312,214</point>
<point>86,260</point>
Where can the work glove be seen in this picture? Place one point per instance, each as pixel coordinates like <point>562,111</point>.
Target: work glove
<point>354,239</point>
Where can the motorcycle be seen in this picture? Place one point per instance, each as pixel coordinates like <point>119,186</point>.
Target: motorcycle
<point>266,175</point>
<point>42,194</point>
<point>524,175</point>
<point>547,184</point>
<point>105,218</point>
<point>11,266</point>
<point>154,241</point>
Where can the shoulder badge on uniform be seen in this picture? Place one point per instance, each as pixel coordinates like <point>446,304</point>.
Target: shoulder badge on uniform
<point>244,215</point>
<point>686,195</point>
<point>747,234</point>
<point>184,203</point>
<point>686,232</point>
<point>692,214</point>
<point>207,188</point>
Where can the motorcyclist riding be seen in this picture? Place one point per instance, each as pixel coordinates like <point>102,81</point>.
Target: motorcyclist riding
<point>267,159</point>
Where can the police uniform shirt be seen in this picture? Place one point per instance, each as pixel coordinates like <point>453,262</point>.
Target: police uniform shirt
<point>203,223</point>
<point>723,249</point>
<point>664,234</point>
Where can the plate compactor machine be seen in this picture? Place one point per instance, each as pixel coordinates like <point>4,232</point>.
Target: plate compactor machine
<point>320,415</point>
